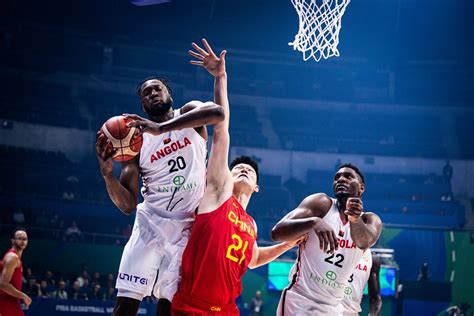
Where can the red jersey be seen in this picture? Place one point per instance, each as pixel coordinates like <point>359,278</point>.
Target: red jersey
<point>215,259</point>
<point>9,305</point>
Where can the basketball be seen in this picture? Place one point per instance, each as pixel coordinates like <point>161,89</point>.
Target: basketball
<point>122,137</point>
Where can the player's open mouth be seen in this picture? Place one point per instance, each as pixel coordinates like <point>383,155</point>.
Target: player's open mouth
<point>243,175</point>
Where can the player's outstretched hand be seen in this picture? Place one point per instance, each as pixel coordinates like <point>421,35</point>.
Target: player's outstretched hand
<point>104,151</point>
<point>144,125</point>
<point>354,209</point>
<point>208,59</point>
<point>327,238</point>
<point>300,241</point>
<point>26,299</point>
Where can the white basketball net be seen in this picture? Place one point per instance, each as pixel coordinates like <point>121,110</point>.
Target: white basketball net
<point>319,26</point>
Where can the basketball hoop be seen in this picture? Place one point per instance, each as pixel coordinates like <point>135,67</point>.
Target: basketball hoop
<point>319,26</point>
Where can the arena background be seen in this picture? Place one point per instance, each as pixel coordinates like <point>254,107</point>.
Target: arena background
<point>397,103</point>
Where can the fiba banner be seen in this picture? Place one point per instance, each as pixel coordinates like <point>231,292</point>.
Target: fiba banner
<point>56,307</point>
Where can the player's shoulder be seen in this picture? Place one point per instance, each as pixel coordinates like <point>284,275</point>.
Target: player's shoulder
<point>11,258</point>
<point>317,202</point>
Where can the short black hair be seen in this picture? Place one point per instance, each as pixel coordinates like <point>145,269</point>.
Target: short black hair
<point>163,80</point>
<point>246,160</point>
<point>357,170</point>
<point>18,229</point>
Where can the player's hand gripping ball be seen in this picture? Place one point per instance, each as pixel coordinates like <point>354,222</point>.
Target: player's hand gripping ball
<point>124,139</point>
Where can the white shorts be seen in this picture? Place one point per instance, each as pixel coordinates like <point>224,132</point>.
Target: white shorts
<point>298,305</point>
<point>151,259</point>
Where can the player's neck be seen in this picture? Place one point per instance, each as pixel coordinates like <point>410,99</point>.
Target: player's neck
<point>341,203</point>
<point>18,251</point>
<point>163,118</point>
<point>341,206</point>
<point>243,198</point>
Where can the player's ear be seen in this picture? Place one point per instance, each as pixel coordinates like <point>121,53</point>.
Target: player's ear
<point>361,188</point>
<point>256,188</point>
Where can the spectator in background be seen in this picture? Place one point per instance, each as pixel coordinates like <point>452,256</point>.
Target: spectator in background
<point>45,289</point>
<point>111,293</point>
<point>447,173</point>
<point>60,293</point>
<point>18,217</point>
<point>110,281</point>
<point>68,195</point>
<point>26,277</point>
<point>73,233</point>
<point>83,279</point>
<point>256,304</point>
<point>33,289</point>
<point>95,279</point>
<point>49,277</point>
<point>424,274</point>
<point>96,293</point>
<point>77,292</point>
<point>446,197</point>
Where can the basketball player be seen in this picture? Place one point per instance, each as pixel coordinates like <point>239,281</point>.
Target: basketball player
<point>172,166</point>
<point>366,272</point>
<point>339,231</point>
<point>11,270</point>
<point>223,239</point>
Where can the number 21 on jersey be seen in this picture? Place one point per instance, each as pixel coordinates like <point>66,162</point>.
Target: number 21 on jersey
<point>237,245</point>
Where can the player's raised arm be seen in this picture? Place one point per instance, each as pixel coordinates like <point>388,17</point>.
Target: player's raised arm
<point>123,192</point>
<point>218,173</point>
<point>365,227</point>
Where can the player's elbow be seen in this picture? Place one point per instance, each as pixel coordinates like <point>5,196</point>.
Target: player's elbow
<point>276,234</point>
<point>376,304</point>
<point>3,285</point>
<point>280,232</point>
<point>216,112</point>
<point>127,209</point>
<point>254,264</point>
<point>362,245</point>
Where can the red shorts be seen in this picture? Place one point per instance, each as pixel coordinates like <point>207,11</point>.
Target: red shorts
<point>193,307</point>
<point>10,306</point>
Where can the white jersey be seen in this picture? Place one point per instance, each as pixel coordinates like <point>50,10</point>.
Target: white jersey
<point>173,170</point>
<point>355,290</point>
<point>320,279</point>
